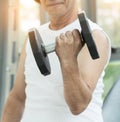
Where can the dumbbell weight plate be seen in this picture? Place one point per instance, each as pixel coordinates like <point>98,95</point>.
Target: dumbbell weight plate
<point>38,50</point>
<point>87,36</point>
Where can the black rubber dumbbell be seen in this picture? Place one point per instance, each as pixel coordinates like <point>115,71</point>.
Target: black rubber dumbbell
<point>40,51</point>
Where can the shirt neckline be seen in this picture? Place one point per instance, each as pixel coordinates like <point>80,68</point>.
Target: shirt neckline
<point>62,29</point>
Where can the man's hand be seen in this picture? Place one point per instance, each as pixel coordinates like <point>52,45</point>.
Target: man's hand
<point>68,45</point>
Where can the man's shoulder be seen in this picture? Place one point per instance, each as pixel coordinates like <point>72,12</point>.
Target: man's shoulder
<point>94,25</point>
<point>43,26</point>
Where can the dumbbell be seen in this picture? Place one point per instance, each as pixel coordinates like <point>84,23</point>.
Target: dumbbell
<point>40,51</point>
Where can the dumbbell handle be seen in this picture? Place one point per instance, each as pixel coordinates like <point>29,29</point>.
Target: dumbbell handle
<point>50,48</point>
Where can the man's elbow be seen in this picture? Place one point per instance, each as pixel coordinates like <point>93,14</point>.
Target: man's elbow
<point>77,109</point>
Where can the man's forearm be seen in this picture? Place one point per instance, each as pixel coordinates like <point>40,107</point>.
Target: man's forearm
<point>13,110</point>
<point>76,91</point>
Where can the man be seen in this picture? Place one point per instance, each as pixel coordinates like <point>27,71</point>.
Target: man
<point>73,90</point>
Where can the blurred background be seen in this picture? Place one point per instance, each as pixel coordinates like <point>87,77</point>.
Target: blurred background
<point>17,16</point>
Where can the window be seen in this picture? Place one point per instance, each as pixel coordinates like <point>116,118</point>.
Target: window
<point>108,16</point>
<point>29,17</point>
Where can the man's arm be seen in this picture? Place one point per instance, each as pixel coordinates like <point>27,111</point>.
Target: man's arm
<point>80,72</point>
<point>14,107</point>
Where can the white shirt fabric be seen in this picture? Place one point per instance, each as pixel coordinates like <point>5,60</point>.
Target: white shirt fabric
<point>44,94</point>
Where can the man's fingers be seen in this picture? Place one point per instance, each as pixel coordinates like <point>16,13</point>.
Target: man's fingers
<point>77,36</point>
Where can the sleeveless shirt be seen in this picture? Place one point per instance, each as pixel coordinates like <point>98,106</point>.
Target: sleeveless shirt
<point>44,94</point>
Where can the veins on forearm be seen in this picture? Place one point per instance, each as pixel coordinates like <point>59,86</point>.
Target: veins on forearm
<point>76,91</point>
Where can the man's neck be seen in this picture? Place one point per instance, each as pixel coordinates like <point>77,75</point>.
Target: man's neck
<point>61,21</point>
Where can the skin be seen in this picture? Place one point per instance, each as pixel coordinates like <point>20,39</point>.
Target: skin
<point>61,12</point>
<point>80,73</point>
<point>14,107</point>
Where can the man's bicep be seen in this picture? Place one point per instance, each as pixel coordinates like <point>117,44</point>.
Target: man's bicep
<point>90,69</point>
